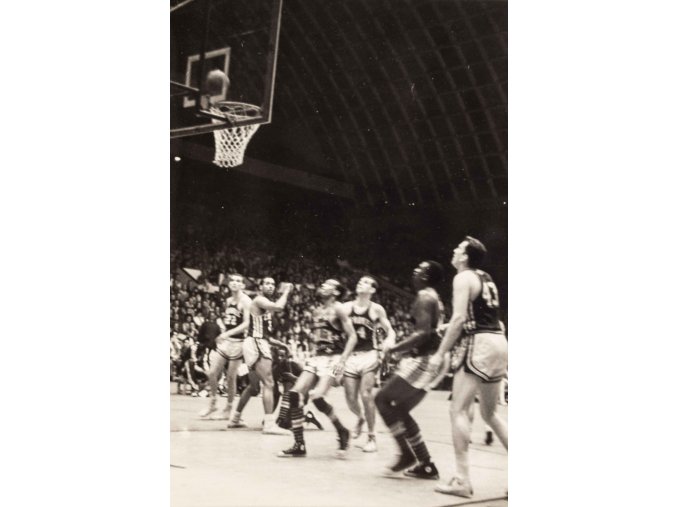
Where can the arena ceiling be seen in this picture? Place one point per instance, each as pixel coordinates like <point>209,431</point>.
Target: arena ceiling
<point>406,100</point>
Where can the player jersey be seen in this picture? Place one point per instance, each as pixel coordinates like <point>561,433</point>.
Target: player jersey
<point>431,342</point>
<point>365,329</point>
<point>233,318</point>
<point>483,311</point>
<point>327,339</point>
<point>261,326</point>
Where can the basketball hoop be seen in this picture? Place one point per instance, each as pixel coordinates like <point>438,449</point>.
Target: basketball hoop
<point>231,142</point>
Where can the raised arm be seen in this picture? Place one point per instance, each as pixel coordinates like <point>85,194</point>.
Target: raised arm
<point>277,306</point>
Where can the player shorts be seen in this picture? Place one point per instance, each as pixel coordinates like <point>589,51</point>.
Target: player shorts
<point>360,363</point>
<point>322,366</point>
<point>254,349</point>
<point>486,356</point>
<point>416,371</point>
<point>231,348</point>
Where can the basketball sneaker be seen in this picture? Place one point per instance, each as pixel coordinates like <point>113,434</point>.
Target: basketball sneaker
<point>295,451</point>
<point>311,419</point>
<point>222,415</point>
<point>236,422</point>
<point>344,441</point>
<point>370,446</point>
<point>403,461</point>
<point>423,471</point>
<point>455,487</point>
<point>208,411</point>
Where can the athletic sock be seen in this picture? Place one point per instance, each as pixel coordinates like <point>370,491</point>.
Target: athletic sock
<point>398,431</point>
<point>415,441</point>
<point>328,410</point>
<point>283,416</point>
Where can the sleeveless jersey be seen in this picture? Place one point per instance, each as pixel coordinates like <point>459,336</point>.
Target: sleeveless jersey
<point>433,340</point>
<point>365,329</point>
<point>233,318</point>
<point>327,339</point>
<point>261,326</point>
<point>483,311</point>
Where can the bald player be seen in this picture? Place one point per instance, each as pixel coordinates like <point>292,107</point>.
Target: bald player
<point>333,339</point>
<point>414,374</point>
<point>484,362</point>
<point>362,365</point>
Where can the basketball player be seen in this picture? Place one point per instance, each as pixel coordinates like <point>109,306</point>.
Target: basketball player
<point>229,346</point>
<point>407,386</point>
<point>363,363</point>
<point>258,354</point>
<point>475,319</point>
<point>321,371</point>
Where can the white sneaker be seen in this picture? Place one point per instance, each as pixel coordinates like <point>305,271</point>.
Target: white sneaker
<point>237,423</point>
<point>207,411</point>
<point>370,446</point>
<point>274,429</point>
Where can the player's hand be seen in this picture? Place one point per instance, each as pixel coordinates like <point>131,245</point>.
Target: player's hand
<point>287,287</point>
<point>436,361</point>
<point>441,329</point>
<point>338,369</point>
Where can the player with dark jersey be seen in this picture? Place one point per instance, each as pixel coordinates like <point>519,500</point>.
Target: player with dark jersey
<point>483,359</point>
<point>408,385</point>
<point>333,339</point>
<point>229,347</point>
<point>362,365</point>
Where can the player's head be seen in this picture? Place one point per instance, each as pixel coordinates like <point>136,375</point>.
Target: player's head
<point>267,286</point>
<point>235,282</point>
<point>331,289</point>
<point>469,253</point>
<point>427,274</point>
<point>366,285</point>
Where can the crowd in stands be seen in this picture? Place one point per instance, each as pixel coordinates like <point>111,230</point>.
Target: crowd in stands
<point>191,302</point>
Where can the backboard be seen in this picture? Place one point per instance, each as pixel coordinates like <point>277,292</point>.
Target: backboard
<point>238,37</point>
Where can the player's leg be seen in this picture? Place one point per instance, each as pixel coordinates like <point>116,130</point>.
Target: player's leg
<point>216,364</point>
<point>465,386</point>
<point>264,370</point>
<point>367,385</point>
<point>392,402</point>
<point>326,382</point>
<point>489,393</point>
<point>252,390</point>
<point>305,382</point>
<point>351,386</point>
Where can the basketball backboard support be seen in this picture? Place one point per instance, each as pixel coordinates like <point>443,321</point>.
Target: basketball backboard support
<point>238,37</point>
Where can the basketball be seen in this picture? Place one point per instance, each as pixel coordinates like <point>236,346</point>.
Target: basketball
<point>217,82</point>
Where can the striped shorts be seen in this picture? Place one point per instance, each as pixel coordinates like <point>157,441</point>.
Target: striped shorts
<point>416,371</point>
<point>254,349</point>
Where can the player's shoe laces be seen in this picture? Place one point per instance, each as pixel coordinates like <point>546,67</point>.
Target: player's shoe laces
<point>403,461</point>
<point>358,428</point>
<point>295,451</point>
<point>423,471</point>
<point>370,446</point>
<point>311,419</point>
<point>344,441</point>
<point>455,487</point>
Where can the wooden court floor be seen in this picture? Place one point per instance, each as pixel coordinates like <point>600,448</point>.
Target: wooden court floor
<point>211,466</point>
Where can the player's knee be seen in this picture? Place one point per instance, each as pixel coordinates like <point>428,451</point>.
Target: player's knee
<point>367,394</point>
<point>322,405</point>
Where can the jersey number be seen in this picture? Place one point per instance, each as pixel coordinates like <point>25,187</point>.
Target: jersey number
<point>490,294</point>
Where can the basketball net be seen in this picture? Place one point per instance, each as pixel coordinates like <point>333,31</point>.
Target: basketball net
<point>232,142</point>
